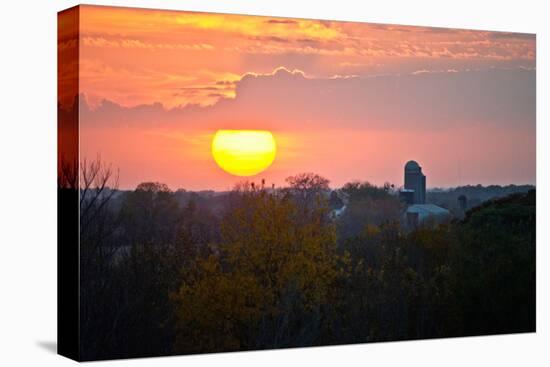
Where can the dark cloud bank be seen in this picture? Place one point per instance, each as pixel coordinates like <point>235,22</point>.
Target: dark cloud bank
<point>290,100</point>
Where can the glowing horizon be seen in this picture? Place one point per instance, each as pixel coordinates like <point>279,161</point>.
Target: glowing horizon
<point>349,101</point>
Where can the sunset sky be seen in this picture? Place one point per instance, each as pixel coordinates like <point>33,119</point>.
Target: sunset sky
<point>344,100</point>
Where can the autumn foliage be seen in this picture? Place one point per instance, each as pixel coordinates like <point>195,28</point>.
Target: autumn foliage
<point>168,272</point>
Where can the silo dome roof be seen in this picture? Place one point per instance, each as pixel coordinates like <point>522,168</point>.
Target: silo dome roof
<point>412,165</point>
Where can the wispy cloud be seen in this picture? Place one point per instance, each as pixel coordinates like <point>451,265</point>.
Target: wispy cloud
<point>135,56</point>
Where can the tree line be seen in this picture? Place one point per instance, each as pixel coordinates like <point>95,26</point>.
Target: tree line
<point>274,269</point>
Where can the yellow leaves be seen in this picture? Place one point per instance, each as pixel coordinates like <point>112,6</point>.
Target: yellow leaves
<point>266,240</point>
<point>371,230</point>
<point>214,305</point>
<point>269,263</point>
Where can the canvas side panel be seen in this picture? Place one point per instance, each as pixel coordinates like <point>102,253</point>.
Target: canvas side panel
<point>67,186</point>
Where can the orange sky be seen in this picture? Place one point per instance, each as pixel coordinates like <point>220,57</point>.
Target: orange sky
<point>346,100</point>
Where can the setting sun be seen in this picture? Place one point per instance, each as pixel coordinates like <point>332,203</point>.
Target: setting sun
<point>244,152</point>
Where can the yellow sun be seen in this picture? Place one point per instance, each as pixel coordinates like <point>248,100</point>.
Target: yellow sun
<point>244,152</point>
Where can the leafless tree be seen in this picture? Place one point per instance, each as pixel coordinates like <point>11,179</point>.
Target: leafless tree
<point>67,176</point>
<point>98,184</point>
